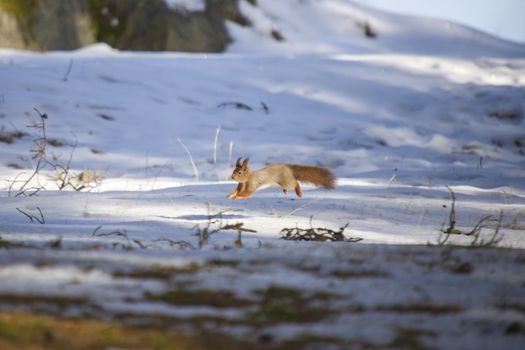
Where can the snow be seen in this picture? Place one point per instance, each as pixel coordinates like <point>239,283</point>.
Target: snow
<point>400,119</point>
<point>187,5</point>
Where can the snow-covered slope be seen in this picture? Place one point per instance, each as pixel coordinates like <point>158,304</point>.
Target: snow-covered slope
<point>334,26</point>
<point>398,118</point>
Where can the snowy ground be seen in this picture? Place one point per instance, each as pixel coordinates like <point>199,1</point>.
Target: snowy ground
<point>398,118</point>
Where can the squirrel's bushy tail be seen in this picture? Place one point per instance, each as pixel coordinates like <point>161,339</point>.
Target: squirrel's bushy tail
<point>316,175</point>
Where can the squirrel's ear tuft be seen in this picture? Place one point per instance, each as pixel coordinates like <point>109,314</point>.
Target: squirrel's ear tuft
<point>238,164</point>
<point>245,163</point>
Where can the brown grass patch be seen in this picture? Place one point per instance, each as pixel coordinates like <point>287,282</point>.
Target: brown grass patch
<point>421,308</point>
<point>10,137</point>
<point>193,297</point>
<point>164,273</point>
<point>27,331</point>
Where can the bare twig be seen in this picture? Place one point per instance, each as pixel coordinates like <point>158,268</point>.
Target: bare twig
<point>265,108</point>
<point>236,105</point>
<point>495,238</point>
<point>122,233</point>
<point>63,178</point>
<point>10,189</point>
<point>117,233</point>
<point>215,145</point>
<point>139,243</point>
<point>392,178</point>
<point>237,227</point>
<point>195,171</point>
<point>39,153</point>
<point>204,234</point>
<point>319,234</point>
<point>483,223</point>
<point>452,216</point>
<point>214,225</point>
<point>70,66</point>
<point>40,219</point>
<point>172,243</point>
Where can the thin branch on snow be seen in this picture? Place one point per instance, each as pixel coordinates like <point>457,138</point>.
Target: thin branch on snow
<point>32,217</point>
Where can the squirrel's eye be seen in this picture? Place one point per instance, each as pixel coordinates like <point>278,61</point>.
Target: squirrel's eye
<point>239,172</point>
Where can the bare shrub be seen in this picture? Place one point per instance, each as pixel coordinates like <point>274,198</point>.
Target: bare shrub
<point>319,234</point>
<point>63,177</point>
<point>485,222</point>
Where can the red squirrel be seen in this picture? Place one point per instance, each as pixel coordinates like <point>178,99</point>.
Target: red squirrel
<point>286,176</point>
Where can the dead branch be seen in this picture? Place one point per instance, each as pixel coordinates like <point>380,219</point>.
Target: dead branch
<point>139,243</point>
<point>32,217</point>
<point>236,227</point>
<point>122,233</point>
<point>452,216</point>
<point>69,67</point>
<point>318,234</point>
<point>172,243</point>
<point>116,233</point>
<point>483,223</point>
<point>63,178</point>
<point>39,153</point>
<point>494,239</point>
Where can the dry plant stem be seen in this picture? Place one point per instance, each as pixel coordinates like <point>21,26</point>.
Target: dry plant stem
<point>482,223</point>
<point>172,243</point>
<point>40,219</point>
<point>118,233</point>
<point>451,220</point>
<point>494,239</point>
<point>195,171</point>
<point>64,177</point>
<point>139,243</point>
<point>107,234</point>
<point>204,234</point>
<point>215,145</point>
<point>319,234</point>
<point>12,184</point>
<point>390,183</point>
<point>452,215</point>
<point>69,67</point>
<point>39,153</point>
<point>239,227</point>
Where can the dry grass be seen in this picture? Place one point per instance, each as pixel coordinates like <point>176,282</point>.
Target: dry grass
<point>10,137</point>
<point>31,332</point>
<point>26,331</point>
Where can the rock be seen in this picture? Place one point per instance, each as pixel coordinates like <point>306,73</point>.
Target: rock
<point>45,24</point>
<point>127,25</point>
<point>10,35</point>
<point>62,25</point>
<point>152,26</point>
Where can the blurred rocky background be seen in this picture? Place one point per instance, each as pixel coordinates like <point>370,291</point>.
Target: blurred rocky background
<point>152,25</point>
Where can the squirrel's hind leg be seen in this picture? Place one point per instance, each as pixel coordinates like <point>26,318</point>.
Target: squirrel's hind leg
<point>298,190</point>
<point>285,191</point>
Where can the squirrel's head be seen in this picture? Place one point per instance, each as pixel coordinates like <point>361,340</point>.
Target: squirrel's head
<point>240,173</point>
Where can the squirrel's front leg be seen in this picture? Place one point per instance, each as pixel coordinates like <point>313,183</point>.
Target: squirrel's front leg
<point>234,194</point>
<point>243,191</point>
